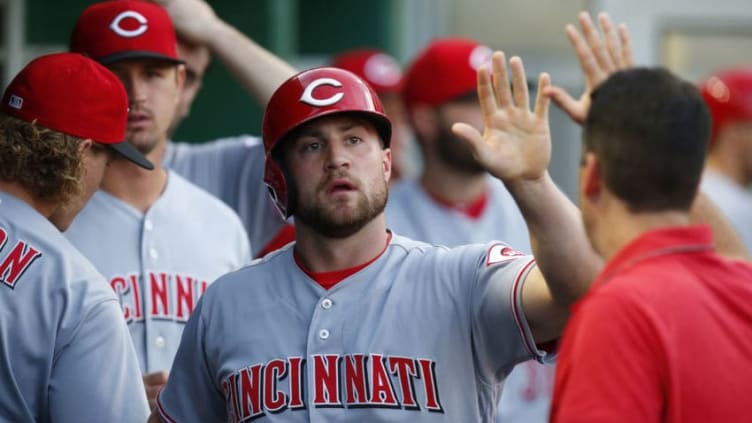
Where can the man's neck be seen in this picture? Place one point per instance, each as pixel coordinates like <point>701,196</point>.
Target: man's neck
<point>618,227</point>
<point>319,253</point>
<point>134,185</point>
<point>15,189</point>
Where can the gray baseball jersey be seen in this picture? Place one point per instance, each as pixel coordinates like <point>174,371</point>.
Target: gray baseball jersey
<point>160,263</point>
<point>65,353</point>
<point>410,211</point>
<point>422,334</point>
<point>232,169</point>
<point>734,200</point>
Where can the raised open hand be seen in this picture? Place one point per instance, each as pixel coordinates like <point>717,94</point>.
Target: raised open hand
<point>516,142</point>
<point>599,57</point>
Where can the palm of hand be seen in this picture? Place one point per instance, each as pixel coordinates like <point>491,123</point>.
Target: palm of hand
<point>516,144</point>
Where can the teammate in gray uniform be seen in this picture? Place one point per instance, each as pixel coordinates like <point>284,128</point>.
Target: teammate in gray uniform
<point>355,322</point>
<point>170,239</point>
<point>231,168</point>
<point>65,354</point>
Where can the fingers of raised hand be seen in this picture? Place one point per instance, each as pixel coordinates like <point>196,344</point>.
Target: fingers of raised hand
<point>542,101</point>
<point>486,96</point>
<point>519,83</point>
<point>469,134</point>
<point>617,43</point>
<point>597,46</point>
<point>626,47</point>
<point>501,80</point>
<point>589,66</point>
<point>612,41</point>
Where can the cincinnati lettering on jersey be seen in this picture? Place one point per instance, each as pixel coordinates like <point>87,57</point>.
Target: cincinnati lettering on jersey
<point>17,261</point>
<point>172,296</point>
<point>349,381</point>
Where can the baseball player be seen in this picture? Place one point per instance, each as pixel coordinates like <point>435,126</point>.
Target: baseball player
<point>231,168</point>
<point>65,354</point>
<point>455,201</point>
<point>664,334</point>
<point>378,327</point>
<point>728,173</point>
<point>170,238</point>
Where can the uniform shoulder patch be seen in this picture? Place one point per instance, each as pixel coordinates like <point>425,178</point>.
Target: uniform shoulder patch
<point>499,253</point>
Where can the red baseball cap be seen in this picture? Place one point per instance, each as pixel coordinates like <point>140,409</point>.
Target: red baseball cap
<point>72,94</point>
<point>728,94</point>
<point>445,70</point>
<point>373,66</point>
<point>116,30</point>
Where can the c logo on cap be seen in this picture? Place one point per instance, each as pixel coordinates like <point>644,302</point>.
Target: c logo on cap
<point>129,33</point>
<point>480,56</point>
<point>308,98</point>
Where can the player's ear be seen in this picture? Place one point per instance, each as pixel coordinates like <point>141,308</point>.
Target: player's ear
<point>386,161</point>
<point>179,80</point>
<point>85,145</point>
<point>591,176</point>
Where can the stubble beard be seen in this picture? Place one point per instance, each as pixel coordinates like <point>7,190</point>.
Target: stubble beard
<point>332,222</point>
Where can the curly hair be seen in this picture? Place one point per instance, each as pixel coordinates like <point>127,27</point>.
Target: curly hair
<point>43,161</point>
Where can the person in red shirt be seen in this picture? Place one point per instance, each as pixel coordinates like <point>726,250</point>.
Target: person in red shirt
<point>665,331</point>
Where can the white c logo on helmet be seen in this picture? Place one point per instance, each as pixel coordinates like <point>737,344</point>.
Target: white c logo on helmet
<point>115,25</point>
<point>308,98</point>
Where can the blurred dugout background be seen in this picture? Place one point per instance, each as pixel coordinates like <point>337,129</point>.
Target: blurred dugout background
<point>691,37</point>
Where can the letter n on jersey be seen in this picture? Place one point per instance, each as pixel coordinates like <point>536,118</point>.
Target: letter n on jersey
<point>14,263</point>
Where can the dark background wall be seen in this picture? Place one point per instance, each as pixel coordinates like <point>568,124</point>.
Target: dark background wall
<point>294,29</point>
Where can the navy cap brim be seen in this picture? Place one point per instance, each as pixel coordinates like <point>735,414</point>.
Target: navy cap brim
<point>128,151</point>
<point>137,54</point>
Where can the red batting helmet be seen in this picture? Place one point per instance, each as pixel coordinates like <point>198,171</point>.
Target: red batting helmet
<point>728,94</point>
<point>304,97</point>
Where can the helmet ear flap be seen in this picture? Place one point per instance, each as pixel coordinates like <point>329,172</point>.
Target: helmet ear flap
<point>275,181</point>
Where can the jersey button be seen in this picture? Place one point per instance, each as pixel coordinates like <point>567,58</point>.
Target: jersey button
<point>323,334</point>
<point>153,254</point>
<point>160,341</point>
<point>326,304</point>
<point>148,225</point>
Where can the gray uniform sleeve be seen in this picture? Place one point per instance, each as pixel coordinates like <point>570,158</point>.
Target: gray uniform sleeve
<point>95,377</point>
<point>191,394</point>
<point>500,333</point>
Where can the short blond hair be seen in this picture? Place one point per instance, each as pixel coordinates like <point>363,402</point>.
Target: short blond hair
<point>45,162</point>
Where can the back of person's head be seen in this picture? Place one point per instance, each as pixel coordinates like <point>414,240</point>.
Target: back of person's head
<point>728,94</point>
<point>649,130</point>
<point>445,70</point>
<point>56,101</point>
<point>115,30</point>
<point>374,66</point>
